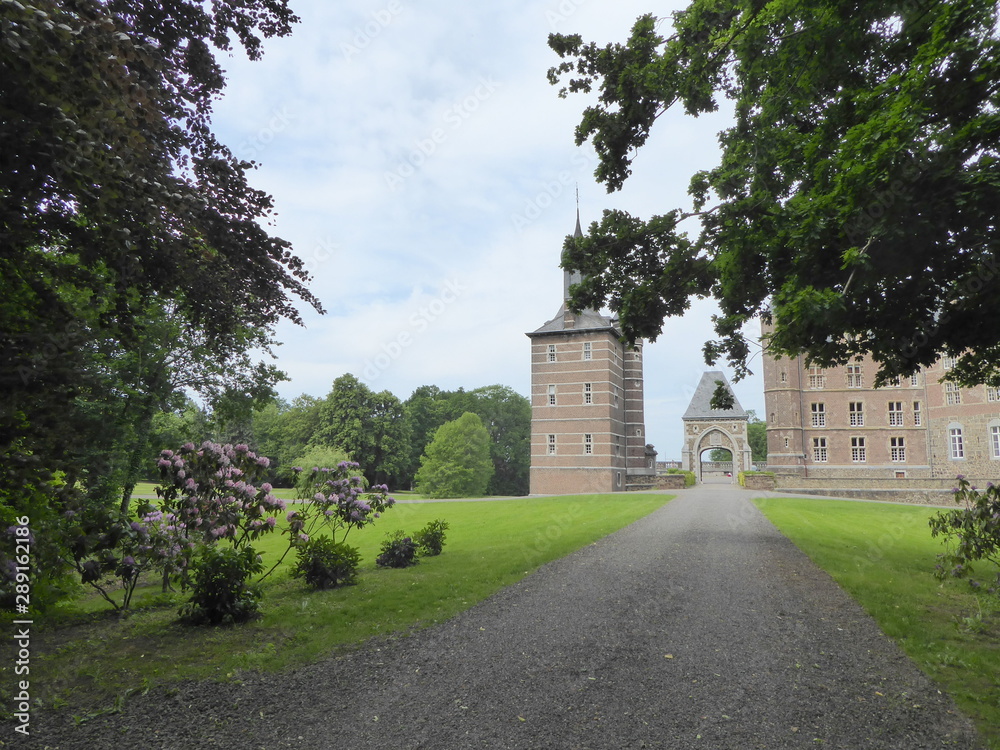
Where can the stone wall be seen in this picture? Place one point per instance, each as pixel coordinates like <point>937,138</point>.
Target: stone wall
<point>942,498</point>
<point>758,481</point>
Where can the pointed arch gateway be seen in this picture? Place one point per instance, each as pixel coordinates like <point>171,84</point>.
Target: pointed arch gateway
<point>706,428</point>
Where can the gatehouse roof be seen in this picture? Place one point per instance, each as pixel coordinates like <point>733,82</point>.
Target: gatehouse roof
<point>701,403</point>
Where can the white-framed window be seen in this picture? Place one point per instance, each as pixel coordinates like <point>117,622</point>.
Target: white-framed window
<point>784,376</point>
<point>995,441</point>
<point>897,449</point>
<point>786,442</point>
<point>992,394</point>
<point>952,394</point>
<point>552,445</point>
<point>638,432</point>
<point>587,352</point>
<point>917,414</point>
<point>588,393</point>
<point>895,382</point>
<point>858,450</point>
<point>818,415</point>
<point>914,380</point>
<point>615,387</point>
<point>956,443</point>
<point>618,478</point>
<point>947,362</point>
<point>588,444</point>
<point>856,413</point>
<point>618,447</point>
<point>816,378</point>
<point>819,449</point>
<point>895,413</point>
<point>855,376</point>
<point>552,395</point>
<point>552,352</point>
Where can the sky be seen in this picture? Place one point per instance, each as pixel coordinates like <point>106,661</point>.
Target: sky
<point>426,172</point>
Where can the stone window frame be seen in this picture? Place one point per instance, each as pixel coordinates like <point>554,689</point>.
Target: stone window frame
<point>588,393</point>
<point>956,441</point>
<point>552,395</point>
<point>856,413</point>
<point>588,352</point>
<point>917,414</point>
<point>855,376</point>
<point>552,445</point>
<point>993,435</point>
<point>858,449</point>
<point>588,444</point>
<point>818,411</point>
<point>552,352</point>
<point>821,449</point>
<point>897,449</point>
<point>952,394</point>
<point>895,413</point>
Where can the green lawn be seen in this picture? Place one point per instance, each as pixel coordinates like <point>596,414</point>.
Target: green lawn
<point>884,556</point>
<point>84,658</point>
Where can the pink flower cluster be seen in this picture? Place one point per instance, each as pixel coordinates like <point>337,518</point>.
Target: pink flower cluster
<point>213,489</point>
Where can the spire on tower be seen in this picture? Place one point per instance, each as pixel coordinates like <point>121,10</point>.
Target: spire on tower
<point>579,232</point>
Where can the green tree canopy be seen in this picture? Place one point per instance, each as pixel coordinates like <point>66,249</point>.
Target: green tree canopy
<point>757,438</point>
<point>125,223</point>
<point>370,427</point>
<point>457,461</point>
<point>506,415</point>
<point>855,206</point>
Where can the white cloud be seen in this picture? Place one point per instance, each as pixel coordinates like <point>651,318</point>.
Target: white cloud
<point>452,99</point>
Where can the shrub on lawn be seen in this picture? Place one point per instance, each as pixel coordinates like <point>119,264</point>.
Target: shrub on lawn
<point>971,534</point>
<point>221,594</point>
<point>398,551</point>
<point>326,564</point>
<point>430,539</point>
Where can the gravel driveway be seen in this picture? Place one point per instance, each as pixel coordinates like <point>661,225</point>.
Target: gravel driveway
<point>697,627</point>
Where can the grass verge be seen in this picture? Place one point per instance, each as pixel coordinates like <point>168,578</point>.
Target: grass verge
<point>884,556</point>
<point>84,658</point>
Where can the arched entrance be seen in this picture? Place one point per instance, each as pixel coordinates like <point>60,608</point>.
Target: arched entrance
<point>717,465</point>
<point>707,429</point>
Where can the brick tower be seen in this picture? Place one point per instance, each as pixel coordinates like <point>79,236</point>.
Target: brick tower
<point>587,418</point>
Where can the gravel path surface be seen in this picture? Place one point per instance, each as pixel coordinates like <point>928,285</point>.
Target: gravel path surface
<point>697,627</point>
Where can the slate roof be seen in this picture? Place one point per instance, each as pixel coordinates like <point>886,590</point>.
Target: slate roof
<point>587,320</point>
<point>701,403</point>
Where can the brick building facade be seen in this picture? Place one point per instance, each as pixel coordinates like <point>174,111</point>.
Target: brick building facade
<point>832,423</point>
<point>588,429</point>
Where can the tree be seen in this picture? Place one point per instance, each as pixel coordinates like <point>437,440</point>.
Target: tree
<point>757,438</point>
<point>427,408</point>
<point>457,462</point>
<point>370,426</point>
<point>506,415</point>
<point>720,454</point>
<point>122,218</point>
<point>855,205</point>
<point>281,431</point>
